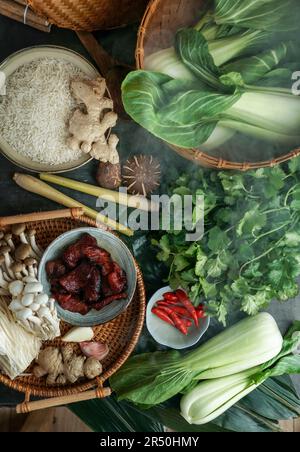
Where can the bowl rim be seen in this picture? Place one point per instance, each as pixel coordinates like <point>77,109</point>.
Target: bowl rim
<point>196,155</point>
<point>64,167</point>
<point>103,233</point>
<point>150,303</point>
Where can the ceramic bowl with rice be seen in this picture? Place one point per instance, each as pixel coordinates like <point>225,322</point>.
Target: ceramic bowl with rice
<point>36,105</point>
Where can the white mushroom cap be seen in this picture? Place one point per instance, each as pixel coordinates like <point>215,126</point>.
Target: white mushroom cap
<point>16,288</point>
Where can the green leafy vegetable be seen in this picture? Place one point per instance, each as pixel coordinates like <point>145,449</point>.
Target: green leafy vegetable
<point>209,96</point>
<point>152,378</point>
<point>209,399</point>
<point>259,14</point>
<point>249,254</point>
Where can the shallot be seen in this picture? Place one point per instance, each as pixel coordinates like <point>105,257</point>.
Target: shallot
<point>94,350</point>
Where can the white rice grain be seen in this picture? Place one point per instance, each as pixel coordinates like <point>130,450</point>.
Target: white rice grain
<point>35,112</point>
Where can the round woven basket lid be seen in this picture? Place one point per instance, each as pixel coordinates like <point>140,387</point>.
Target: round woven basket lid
<point>161,21</point>
<point>89,15</point>
<point>121,334</point>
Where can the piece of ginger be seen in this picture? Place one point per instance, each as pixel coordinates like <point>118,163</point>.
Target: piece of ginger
<point>105,151</point>
<point>88,128</point>
<point>63,366</point>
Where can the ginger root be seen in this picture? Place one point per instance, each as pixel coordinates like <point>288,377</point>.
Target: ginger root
<point>49,363</point>
<point>88,128</point>
<point>105,151</point>
<point>63,366</point>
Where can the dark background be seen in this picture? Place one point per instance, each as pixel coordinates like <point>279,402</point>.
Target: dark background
<point>13,200</point>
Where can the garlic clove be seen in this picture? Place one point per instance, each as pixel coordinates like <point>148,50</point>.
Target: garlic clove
<point>41,299</point>
<point>79,334</point>
<point>35,307</point>
<point>33,288</point>
<point>16,288</point>
<point>27,299</point>
<point>24,314</point>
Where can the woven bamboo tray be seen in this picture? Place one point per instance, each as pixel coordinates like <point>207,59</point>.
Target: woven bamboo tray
<point>121,335</point>
<point>90,15</point>
<point>161,21</point>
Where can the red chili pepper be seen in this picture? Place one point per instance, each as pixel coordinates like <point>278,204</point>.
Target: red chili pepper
<point>167,309</point>
<point>175,308</point>
<point>170,296</point>
<point>181,311</point>
<point>188,323</point>
<point>163,316</point>
<point>165,304</point>
<point>200,313</point>
<point>177,320</point>
<point>184,299</point>
<point>179,323</point>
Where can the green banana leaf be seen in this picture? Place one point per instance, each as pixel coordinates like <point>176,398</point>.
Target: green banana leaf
<point>108,415</point>
<point>275,400</point>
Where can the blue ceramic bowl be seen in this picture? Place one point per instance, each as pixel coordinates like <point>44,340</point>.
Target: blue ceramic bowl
<point>119,252</point>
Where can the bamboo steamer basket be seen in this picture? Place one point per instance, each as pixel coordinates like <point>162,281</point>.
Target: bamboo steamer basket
<point>90,15</point>
<point>161,21</point>
<point>121,334</point>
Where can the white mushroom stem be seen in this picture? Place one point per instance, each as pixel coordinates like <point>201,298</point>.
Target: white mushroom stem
<point>36,249</point>
<point>3,281</point>
<point>9,241</point>
<point>30,263</point>
<point>35,320</point>
<point>5,250</point>
<point>24,271</point>
<point>19,230</point>
<point>17,268</point>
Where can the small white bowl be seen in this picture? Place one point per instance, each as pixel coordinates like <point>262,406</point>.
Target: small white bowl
<point>166,334</point>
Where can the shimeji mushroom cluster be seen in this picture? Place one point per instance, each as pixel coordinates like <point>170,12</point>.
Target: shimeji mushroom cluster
<point>32,308</point>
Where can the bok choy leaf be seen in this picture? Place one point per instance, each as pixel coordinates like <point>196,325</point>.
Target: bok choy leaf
<point>282,15</point>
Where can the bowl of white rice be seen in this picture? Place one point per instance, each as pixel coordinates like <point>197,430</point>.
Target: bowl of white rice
<point>36,105</point>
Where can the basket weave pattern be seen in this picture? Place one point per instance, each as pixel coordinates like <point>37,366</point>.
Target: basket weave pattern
<point>89,15</point>
<point>121,334</point>
<point>161,21</point>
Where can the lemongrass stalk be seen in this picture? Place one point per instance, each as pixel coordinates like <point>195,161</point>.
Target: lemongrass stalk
<point>38,187</point>
<point>136,202</point>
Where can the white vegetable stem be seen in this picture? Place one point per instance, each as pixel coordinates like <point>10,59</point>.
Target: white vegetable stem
<point>212,398</point>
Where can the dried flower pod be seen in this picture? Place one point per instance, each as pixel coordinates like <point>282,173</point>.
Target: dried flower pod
<point>109,175</point>
<point>141,174</point>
